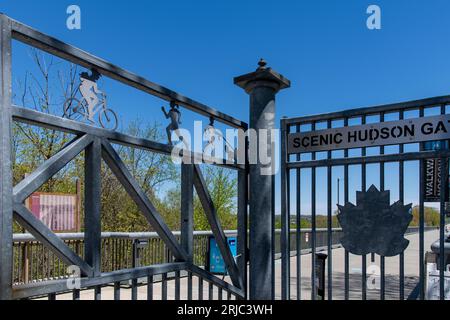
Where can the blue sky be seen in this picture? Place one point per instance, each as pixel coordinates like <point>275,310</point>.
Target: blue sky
<point>197,47</point>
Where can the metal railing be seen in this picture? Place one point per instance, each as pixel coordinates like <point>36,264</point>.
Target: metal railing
<point>121,250</point>
<point>34,262</point>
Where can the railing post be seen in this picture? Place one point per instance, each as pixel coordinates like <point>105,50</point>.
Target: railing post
<point>262,86</point>
<point>6,205</point>
<point>92,205</point>
<point>135,254</point>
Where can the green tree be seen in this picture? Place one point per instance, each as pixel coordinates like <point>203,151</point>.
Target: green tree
<point>43,90</point>
<point>151,170</point>
<point>222,186</point>
<point>431,217</point>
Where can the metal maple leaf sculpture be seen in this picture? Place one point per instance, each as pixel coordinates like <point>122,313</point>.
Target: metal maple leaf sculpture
<point>373,225</point>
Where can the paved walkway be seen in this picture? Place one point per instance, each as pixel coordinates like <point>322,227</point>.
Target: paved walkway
<point>355,277</point>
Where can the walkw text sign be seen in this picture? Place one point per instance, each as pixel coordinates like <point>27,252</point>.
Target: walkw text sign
<point>432,172</point>
<point>371,135</point>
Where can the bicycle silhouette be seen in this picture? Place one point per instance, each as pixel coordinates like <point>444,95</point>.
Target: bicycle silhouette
<point>79,110</point>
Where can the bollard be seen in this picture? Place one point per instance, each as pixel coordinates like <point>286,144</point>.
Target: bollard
<point>320,275</point>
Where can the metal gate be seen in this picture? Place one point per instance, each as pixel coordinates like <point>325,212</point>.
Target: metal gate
<point>310,186</point>
<point>97,145</point>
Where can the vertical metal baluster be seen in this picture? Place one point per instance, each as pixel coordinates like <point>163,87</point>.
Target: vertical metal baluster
<point>47,267</point>
<point>442,257</point>
<point>329,227</point>
<point>272,255</point>
<point>363,187</point>
<point>52,296</point>
<point>42,265</point>
<point>313,224</point>
<point>382,258</point>
<point>200,288</point>
<point>187,223</point>
<point>210,291</point>
<point>242,224</point>
<point>42,261</point>
<point>421,223</point>
<point>31,260</point>
<point>164,287</point>
<point>17,262</point>
<point>347,257</point>
<point>228,295</point>
<point>98,293</point>
<point>189,288</point>
<point>298,224</point>
<point>444,193</point>
<point>116,291</point>
<point>220,294</point>
<point>150,288</point>
<point>114,255</point>
<point>284,237</point>
<point>177,285</point>
<point>76,294</point>
<point>54,261</point>
<point>134,289</point>
<point>288,238</point>
<point>402,199</point>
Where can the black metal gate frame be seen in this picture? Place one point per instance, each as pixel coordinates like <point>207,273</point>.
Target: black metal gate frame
<point>289,125</point>
<point>97,145</point>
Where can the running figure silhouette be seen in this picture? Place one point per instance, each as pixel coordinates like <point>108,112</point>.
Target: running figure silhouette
<point>174,115</point>
<point>211,134</point>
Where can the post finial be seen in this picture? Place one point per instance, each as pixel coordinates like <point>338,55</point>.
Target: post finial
<point>262,64</point>
<point>262,76</point>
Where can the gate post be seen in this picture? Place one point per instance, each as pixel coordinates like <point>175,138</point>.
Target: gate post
<point>262,85</point>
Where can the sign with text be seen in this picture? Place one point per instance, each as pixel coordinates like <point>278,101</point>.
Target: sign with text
<point>59,212</point>
<point>432,172</point>
<point>371,135</point>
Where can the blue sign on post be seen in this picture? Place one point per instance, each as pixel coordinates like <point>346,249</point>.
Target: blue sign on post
<point>435,145</point>
<point>215,263</point>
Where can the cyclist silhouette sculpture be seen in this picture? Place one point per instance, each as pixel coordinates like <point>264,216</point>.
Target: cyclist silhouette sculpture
<point>89,105</point>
